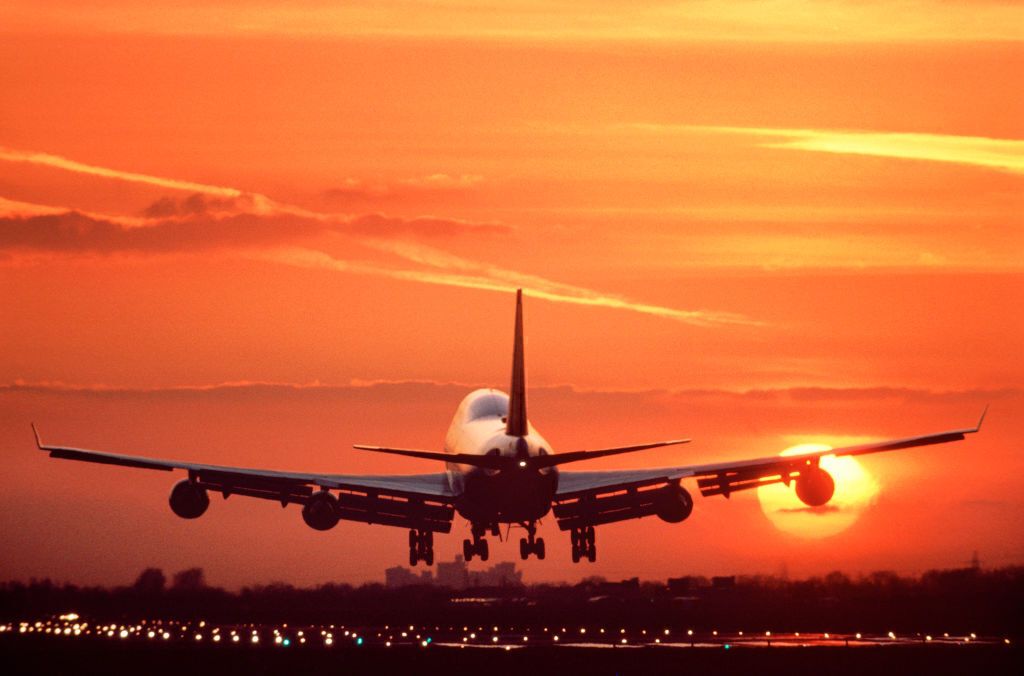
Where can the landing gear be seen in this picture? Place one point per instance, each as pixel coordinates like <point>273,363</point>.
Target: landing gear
<point>583,544</point>
<point>421,547</point>
<point>478,545</point>
<point>531,544</point>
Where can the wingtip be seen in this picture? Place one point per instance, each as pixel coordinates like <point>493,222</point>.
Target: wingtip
<point>981,419</point>
<point>39,442</point>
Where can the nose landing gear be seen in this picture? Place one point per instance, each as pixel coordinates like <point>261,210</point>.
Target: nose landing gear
<point>583,544</point>
<point>421,547</point>
<point>531,544</point>
<point>478,545</point>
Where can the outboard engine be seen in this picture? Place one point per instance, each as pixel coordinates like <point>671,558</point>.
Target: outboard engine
<point>815,486</point>
<point>188,500</point>
<point>321,512</point>
<point>673,503</point>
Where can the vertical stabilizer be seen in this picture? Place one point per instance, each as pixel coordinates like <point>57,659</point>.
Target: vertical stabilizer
<point>516,425</point>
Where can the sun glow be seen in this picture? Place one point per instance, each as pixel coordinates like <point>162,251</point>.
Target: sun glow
<point>856,490</point>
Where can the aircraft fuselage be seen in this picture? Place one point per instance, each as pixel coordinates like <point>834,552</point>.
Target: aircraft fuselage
<point>489,495</point>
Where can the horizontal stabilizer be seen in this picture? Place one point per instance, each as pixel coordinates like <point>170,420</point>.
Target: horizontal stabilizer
<point>506,462</point>
<point>486,461</point>
<point>577,456</point>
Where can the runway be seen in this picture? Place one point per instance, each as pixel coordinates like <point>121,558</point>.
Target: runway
<point>71,642</point>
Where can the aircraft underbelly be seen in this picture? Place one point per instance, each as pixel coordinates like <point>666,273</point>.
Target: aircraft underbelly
<point>507,497</point>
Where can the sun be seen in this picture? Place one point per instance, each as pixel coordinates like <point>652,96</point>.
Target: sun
<point>856,490</point>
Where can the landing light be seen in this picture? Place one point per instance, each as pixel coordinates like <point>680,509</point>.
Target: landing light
<point>522,463</point>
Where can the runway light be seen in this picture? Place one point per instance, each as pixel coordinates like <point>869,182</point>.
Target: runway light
<point>857,635</point>
<point>727,646</point>
<point>287,642</point>
<point>328,641</point>
<point>522,463</point>
<point>167,636</point>
<point>359,641</point>
<point>234,639</point>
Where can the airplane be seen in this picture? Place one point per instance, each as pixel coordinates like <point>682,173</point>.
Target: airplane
<point>500,470</point>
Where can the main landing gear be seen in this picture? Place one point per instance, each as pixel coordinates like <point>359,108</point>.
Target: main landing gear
<point>531,544</point>
<point>421,547</point>
<point>583,544</point>
<point>478,545</point>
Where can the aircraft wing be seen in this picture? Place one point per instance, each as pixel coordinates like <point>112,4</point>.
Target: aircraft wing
<point>592,498</point>
<point>421,501</point>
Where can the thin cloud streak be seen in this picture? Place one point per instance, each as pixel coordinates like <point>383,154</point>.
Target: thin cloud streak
<point>58,162</point>
<point>487,277</point>
<point>540,288</point>
<point>993,153</point>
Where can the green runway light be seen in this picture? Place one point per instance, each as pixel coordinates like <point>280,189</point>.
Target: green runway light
<point>359,641</point>
<point>727,646</point>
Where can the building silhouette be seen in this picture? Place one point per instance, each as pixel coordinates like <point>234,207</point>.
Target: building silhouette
<point>456,575</point>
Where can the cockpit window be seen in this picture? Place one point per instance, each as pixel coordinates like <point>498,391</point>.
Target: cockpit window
<point>489,406</point>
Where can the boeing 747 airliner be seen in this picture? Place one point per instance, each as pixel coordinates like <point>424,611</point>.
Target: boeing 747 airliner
<point>500,470</point>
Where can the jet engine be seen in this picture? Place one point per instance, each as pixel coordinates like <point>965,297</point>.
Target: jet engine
<point>815,486</point>
<point>673,503</point>
<point>188,500</point>
<point>321,512</point>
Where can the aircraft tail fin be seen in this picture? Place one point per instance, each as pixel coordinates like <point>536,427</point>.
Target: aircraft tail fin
<point>516,425</point>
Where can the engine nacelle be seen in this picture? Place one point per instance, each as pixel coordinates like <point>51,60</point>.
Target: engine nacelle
<point>321,512</point>
<point>815,486</point>
<point>188,500</point>
<point>673,503</point>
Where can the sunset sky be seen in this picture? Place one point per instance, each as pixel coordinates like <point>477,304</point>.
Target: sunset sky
<point>257,233</point>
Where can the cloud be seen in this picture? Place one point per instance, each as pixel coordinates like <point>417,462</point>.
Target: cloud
<point>503,281</point>
<point>820,510</point>
<point>58,162</point>
<point>201,222</point>
<point>993,153</point>
<point>253,225</point>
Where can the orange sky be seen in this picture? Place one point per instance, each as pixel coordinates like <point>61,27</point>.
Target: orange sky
<point>756,224</point>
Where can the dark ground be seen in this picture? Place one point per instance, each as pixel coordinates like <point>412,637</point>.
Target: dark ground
<point>53,656</point>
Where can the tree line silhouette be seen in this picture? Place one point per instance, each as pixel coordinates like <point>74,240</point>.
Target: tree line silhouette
<point>956,601</point>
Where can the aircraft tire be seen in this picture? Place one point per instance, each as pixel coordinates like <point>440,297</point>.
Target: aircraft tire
<point>575,554</point>
<point>539,548</point>
<point>592,553</point>
<point>484,550</point>
<point>524,549</point>
<point>467,550</point>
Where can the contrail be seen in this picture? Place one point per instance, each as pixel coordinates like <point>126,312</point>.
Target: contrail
<point>994,153</point>
<point>64,163</point>
<point>311,258</point>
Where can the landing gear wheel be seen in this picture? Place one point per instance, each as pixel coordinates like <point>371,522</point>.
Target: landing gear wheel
<point>582,544</point>
<point>483,551</point>
<point>413,557</point>
<point>429,557</point>
<point>467,550</point>
<point>539,548</point>
<point>524,549</point>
